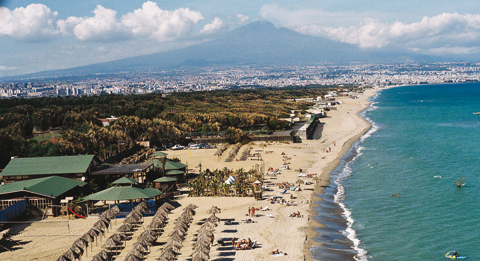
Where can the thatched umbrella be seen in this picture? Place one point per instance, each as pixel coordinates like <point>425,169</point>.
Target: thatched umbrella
<point>202,248</point>
<point>140,247</point>
<point>131,257</point>
<point>98,258</point>
<point>115,209</point>
<point>101,225</point>
<point>118,237</point>
<point>177,237</point>
<point>189,210</point>
<point>178,231</point>
<point>69,254</point>
<point>299,181</point>
<point>191,206</point>
<point>142,205</point>
<point>205,238</point>
<point>147,237</point>
<point>213,219</point>
<point>210,224</point>
<point>81,243</point>
<point>214,210</point>
<point>162,211</point>
<point>103,254</point>
<point>110,243</point>
<point>87,237</point>
<point>135,214</point>
<point>125,228</point>
<point>131,220</point>
<point>62,258</point>
<point>144,242</point>
<point>201,243</point>
<point>77,250</point>
<point>167,206</point>
<point>168,254</point>
<point>156,224</point>
<point>138,211</point>
<point>136,252</point>
<point>200,256</point>
<point>173,242</point>
<point>163,259</point>
<point>208,233</point>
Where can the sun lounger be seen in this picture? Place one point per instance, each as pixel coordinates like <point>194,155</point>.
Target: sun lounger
<point>284,192</point>
<point>264,209</point>
<point>270,216</point>
<point>279,254</point>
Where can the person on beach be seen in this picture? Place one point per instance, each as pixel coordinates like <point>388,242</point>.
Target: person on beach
<point>233,242</point>
<point>249,212</point>
<point>253,212</point>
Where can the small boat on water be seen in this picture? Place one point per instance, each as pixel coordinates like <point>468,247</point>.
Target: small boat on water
<point>477,113</point>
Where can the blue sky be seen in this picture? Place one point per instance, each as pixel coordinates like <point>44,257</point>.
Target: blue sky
<point>52,34</point>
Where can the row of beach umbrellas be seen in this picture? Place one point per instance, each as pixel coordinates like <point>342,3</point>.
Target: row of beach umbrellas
<point>80,245</point>
<point>205,237</point>
<point>146,239</point>
<point>172,248</point>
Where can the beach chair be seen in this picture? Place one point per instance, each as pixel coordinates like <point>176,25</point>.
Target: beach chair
<point>284,192</point>
<point>264,209</point>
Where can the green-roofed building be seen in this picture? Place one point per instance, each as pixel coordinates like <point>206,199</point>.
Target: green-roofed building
<point>167,185</point>
<point>120,193</point>
<point>41,192</point>
<point>74,167</point>
<point>158,154</point>
<point>173,169</point>
<point>125,181</point>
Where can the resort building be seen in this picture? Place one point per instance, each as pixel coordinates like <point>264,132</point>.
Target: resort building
<point>73,167</point>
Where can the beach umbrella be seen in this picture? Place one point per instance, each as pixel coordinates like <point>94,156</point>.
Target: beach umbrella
<point>144,242</point>
<point>108,214</point>
<point>168,253</point>
<point>205,238</point>
<point>101,225</point>
<point>95,232</point>
<point>62,258</point>
<point>87,237</point>
<point>202,248</point>
<point>147,237</point>
<point>111,243</point>
<point>131,220</point>
<point>214,210</point>
<point>213,219</point>
<point>200,256</point>
<point>173,242</point>
<point>156,224</point>
<point>189,210</point>
<point>172,248</point>
<point>176,237</point>
<point>299,181</point>
<point>81,243</point>
<point>98,258</point>
<point>162,211</point>
<point>208,233</point>
<point>138,211</point>
<point>168,206</point>
<point>161,258</point>
<point>103,254</point>
<point>140,247</point>
<point>137,253</point>
<point>115,209</point>
<point>70,254</point>
<point>118,237</point>
<point>125,228</point>
<point>192,206</point>
<point>136,214</point>
<point>131,257</point>
<point>210,224</point>
<point>77,250</point>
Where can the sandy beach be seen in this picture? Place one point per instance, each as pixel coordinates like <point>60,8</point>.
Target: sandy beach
<point>272,229</point>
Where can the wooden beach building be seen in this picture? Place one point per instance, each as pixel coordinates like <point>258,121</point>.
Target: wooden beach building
<point>72,167</point>
<point>44,193</point>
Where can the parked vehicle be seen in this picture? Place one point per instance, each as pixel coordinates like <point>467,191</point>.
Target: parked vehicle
<point>178,147</point>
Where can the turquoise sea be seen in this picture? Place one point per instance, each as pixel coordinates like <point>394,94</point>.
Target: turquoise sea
<point>423,139</point>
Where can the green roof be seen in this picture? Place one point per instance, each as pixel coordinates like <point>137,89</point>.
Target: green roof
<point>165,179</point>
<point>47,186</point>
<point>159,154</point>
<point>170,165</point>
<point>174,172</point>
<point>123,193</point>
<point>125,180</point>
<point>48,165</point>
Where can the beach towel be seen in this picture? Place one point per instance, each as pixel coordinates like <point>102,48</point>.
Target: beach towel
<point>279,254</point>
<point>264,209</point>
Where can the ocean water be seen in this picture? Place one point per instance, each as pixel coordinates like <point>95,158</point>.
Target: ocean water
<point>423,139</point>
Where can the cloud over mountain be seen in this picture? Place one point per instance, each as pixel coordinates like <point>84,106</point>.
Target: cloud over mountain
<point>38,22</point>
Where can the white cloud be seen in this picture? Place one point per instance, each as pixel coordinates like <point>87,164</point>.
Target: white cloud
<point>243,19</point>
<point>215,26</point>
<point>452,33</point>
<point>163,25</point>
<point>36,22</point>
<point>7,68</point>
<point>103,26</point>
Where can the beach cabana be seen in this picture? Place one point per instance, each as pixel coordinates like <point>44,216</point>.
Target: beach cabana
<point>126,190</point>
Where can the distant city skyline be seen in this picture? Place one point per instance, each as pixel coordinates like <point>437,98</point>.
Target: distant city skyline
<point>46,35</point>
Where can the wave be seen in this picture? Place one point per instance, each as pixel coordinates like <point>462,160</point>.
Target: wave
<point>339,197</point>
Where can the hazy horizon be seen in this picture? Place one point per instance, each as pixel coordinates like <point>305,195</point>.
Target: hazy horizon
<point>49,35</point>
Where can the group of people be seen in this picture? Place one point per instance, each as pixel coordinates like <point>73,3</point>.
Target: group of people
<point>243,244</point>
<point>296,214</point>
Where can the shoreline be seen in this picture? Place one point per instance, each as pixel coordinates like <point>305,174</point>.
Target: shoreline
<point>293,236</point>
<point>325,181</point>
